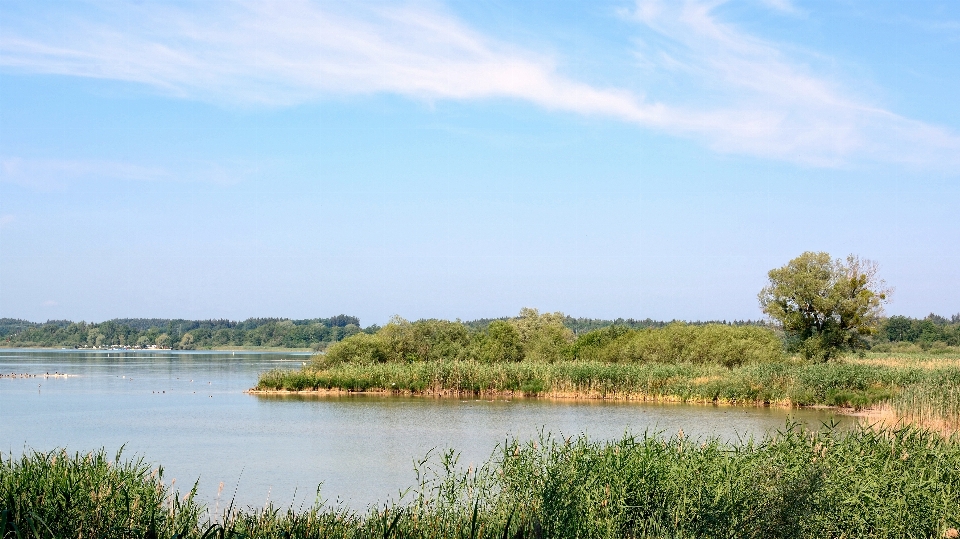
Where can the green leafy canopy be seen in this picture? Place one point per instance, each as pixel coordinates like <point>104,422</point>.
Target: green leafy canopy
<point>825,306</point>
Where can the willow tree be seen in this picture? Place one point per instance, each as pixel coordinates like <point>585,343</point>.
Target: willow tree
<point>825,306</point>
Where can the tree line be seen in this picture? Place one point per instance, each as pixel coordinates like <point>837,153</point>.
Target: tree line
<point>931,330</point>
<point>179,334</point>
<point>818,306</point>
<point>316,333</point>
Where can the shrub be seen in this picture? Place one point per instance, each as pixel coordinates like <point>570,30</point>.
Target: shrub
<point>360,348</point>
<point>544,337</point>
<point>729,346</point>
<point>500,342</point>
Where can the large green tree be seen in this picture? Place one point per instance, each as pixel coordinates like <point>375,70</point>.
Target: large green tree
<point>825,306</point>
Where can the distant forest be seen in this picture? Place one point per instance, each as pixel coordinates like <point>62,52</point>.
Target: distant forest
<point>926,331</point>
<point>317,333</point>
<point>179,334</point>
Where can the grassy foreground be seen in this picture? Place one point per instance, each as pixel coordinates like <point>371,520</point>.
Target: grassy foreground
<point>862,483</point>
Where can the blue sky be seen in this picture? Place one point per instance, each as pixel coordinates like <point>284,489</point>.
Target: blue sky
<point>466,159</point>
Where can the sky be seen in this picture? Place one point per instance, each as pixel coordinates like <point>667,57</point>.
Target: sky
<point>466,159</point>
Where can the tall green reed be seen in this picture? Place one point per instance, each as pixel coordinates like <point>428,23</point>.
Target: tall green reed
<point>786,382</point>
<point>56,494</point>
<point>797,483</point>
<point>935,401</point>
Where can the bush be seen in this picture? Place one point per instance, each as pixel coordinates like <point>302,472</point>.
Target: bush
<point>542,338</point>
<point>499,343</point>
<point>729,346</point>
<point>361,348</point>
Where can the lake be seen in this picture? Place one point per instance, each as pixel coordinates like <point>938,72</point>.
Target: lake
<point>188,412</point>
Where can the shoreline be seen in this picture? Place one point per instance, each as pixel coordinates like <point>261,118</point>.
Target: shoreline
<point>225,349</point>
<point>873,415</point>
<point>551,395</point>
<point>920,389</point>
<point>880,415</point>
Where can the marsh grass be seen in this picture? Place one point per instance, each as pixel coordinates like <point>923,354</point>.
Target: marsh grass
<point>866,483</point>
<point>789,382</point>
<point>56,494</point>
<point>919,387</point>
<point>797,483</point>
<point>934,403</point>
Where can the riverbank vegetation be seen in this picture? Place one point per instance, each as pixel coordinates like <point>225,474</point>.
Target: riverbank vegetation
<point>536,355</point>
<point>797,483</point>
<point>927,392</point>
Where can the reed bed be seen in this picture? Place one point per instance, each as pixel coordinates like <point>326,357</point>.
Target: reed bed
<point>920,388</point>
<point>56,494</point>
<point>788,382</point>
<point>797,483</point>
<point>935,402</point>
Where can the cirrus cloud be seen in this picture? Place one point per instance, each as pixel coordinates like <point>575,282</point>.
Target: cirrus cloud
<point>755,99</point>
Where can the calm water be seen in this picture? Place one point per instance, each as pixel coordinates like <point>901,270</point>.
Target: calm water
<point>187,411</point>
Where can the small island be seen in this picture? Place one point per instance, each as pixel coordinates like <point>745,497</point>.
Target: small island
<point>826,343</point>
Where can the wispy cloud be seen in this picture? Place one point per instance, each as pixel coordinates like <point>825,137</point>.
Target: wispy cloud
<point>292,52</point>
<point>755,99</point>
<point>752,97</point>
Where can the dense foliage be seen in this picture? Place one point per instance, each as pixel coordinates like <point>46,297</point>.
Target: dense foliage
<point>536,337</point>
<point>180,334</point>
<point>825,306</point>
<point>927,332</point>
<point>794,484</point>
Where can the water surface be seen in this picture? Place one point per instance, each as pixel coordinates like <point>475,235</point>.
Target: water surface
<point>188,412</point>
